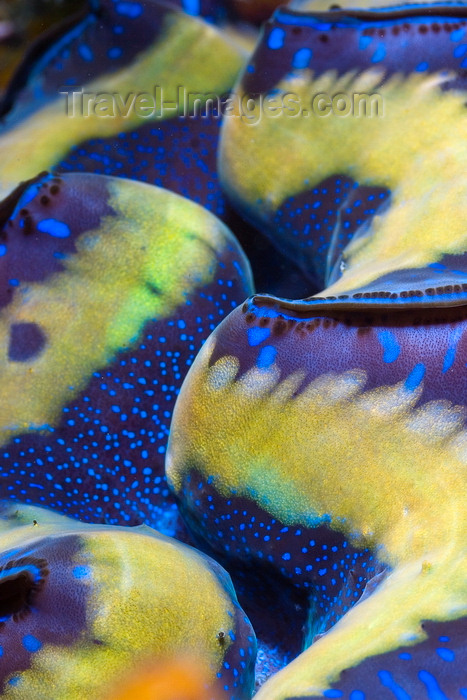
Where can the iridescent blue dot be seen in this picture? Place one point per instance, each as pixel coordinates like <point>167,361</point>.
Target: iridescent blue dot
<point>115,52</point>
<point>460,50</point>
<point>129,9</point>
<point>257,335</point>
<point>276,38</point>
<point>55,228</point>
<point>266,357</point>
<point>415,377</point>
<point>80,572</point>
<point>302,58</point>
<point>86,53</point>
<point>379,54</point>
<point>446,654</point>
<point>31,643</point>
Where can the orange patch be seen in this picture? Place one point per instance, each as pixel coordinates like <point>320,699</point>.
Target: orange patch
<point>175,679</point>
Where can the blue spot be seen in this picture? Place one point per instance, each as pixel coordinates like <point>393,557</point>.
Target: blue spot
<point>364,42</point>
<point>405,656</point>
<point>388,681</point>
<point>54,228</point>
<point>379,54</point>
<point>31,643</point>
<point>457,34</point>
<point>29,195</point>
<point>463,692</point>
<point>286,556</point>
<point>333,693</point>
<point>434,691</point>
<point>415,377</point>
<point>446,654</point>
<point>390,346</point>
<point>450,355</point>
<point>80,571</point>
<point>266,357</point>
<point>2,250</point>
<point>129,9</point>
<point>357,695</point>
<point>423,66</point>
<point>460,50</point>
<point>85,53</point>
<point>191,7</point>
<point>276,38</point>
<point>116,52</point>
<point>302,58</point>
<point>449,358</point>
<point>257,335</point>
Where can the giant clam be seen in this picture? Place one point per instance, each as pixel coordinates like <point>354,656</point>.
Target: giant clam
<point>114,78</point>
<point>324,438</point>
<point>109,287</point>
<point>80,604</point>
